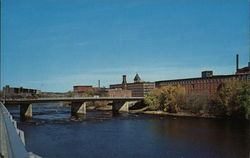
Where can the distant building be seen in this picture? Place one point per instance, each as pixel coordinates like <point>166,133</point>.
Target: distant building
<point>19,91</point>
<point>87,90</point>
<point>244,70</point>
<point>119,93</point>
<point>207,83</point>
<point>206,74</point>
<point>82,89</point>
<point>139,88</point>
<point>100,91</point>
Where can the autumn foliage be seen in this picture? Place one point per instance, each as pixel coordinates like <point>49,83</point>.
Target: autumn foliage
<point>167,98</point>
<point>231,100</point>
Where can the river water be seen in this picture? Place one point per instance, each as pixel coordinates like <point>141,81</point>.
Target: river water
<point>100,134</point>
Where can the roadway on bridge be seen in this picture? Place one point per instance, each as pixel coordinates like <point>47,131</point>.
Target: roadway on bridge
<point>71,99</point>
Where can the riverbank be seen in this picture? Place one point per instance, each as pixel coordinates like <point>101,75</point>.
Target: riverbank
<point>149,112</point>
<point>179,114</point>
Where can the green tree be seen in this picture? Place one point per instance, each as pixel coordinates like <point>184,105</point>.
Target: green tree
<point>167,98</point>
<point>153,99</point>
<point>69,94</point>
<point>171,97</point>
<point>89,93</point>
<point>225,97</point>
<point>233,99</point>
<point>242,107</point>
<point>197,103</point>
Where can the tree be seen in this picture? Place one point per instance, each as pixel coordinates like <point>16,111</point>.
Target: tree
<point>225,97</point>
<point>167,98</point>
<point>197,102</point>
<point>243,100</point>
<point>70,94</point>
<point>171,98</point>
<point>233,99</point>
<point>153,99</point>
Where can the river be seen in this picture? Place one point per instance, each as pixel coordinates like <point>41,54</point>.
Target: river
<point>101,134</point>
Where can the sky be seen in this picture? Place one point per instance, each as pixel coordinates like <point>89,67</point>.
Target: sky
<point>52,45</point>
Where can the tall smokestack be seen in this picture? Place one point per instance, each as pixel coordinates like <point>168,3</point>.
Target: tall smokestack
<point>124,79</point>
<point>237,62</point>
<point>99,83</point>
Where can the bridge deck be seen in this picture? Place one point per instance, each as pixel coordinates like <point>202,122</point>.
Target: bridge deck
<point>71,99</point>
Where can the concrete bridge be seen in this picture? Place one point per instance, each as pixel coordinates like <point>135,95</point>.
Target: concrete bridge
<point>78,104</point>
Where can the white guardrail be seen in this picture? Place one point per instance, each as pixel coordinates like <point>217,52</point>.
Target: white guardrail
<point>12,142</point>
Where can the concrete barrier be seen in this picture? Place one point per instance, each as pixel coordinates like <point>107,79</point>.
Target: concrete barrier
<point>12,144</point>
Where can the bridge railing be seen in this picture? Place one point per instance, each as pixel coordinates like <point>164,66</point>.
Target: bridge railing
<point>65,99</point>
<point>11,138</point>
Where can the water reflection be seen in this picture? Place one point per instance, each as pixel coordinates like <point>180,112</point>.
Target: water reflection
<point>221,138</point>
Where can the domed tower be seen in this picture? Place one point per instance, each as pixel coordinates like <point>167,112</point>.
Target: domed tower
<point>137,79</point>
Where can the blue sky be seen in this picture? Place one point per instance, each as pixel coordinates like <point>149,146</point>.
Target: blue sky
<point>52,45</point>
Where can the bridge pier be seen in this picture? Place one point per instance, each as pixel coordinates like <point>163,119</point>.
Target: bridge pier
<point>25,111</point>
<point>120,106</point>
<point>78,108</point>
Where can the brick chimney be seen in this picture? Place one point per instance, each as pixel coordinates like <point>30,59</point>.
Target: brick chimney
<point>124,79</point>
<point>124,82</point>
<point>237,62</point>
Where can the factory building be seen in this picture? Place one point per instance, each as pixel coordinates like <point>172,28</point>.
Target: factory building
<point>119,93</point>
<point>244,70</point>
<point>19,91</point>
<point>88,90</point>
<point>207,83</point>
<point>202,84</point>
<point>82,89</point>
<point>139,88</point>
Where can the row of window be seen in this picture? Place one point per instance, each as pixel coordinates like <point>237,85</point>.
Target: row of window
<point>194,81</point>
<point>207,80</point>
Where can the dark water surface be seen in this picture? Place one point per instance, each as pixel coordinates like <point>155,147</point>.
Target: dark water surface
<point>99,134</point>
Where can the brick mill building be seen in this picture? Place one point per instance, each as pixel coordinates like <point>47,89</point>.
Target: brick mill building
<point>139,88</point>
<point>204,84</point>
<point>19,91</point>
<point>86,90</point>
<point>208,83</point>
<point>82,89</point>
<point>118,93</point>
